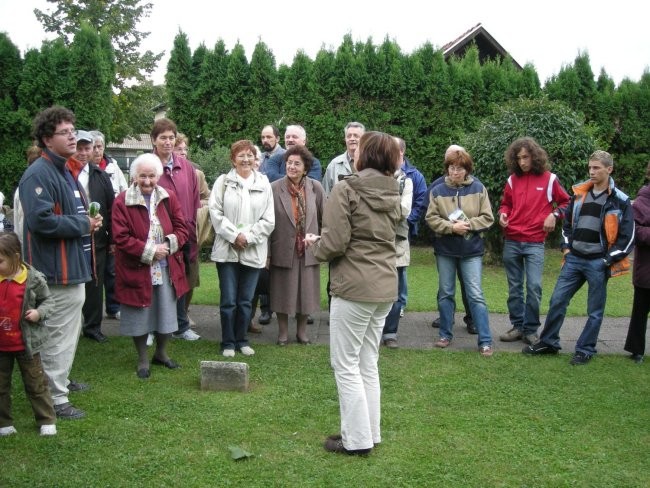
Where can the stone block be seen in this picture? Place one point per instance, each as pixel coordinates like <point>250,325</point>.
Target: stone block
<point>224,376</point>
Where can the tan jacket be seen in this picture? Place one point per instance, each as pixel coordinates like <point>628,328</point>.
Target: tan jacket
<point>358,237</point>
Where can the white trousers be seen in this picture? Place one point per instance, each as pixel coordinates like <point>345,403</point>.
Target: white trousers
<point>64,325</point>
<point>355,332</point>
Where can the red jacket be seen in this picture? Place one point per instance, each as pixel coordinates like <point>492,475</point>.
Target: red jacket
<point>132,254</point>
<point>527,201</point>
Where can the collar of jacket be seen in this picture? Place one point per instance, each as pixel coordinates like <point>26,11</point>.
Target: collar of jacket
<point>133,195</point>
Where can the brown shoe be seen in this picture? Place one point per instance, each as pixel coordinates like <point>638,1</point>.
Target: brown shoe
<point>512,335</point>
<point>334,443</point>
<point>442,342</point>
<point>391,343</point>
<point>254,329</point>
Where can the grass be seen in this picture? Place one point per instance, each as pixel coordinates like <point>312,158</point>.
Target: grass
<point>423,285</point>
<point>448,419</point>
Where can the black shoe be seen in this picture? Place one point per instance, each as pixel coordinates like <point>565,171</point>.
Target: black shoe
<point>170,363</point>
<point>310,319</point>
<point>579,358</point>
<point>538,349</point>
<point>334,443</point>
<point>637,358</point>
<point>96,336</point>
<point>74,386</point>
<point>67,411</point>
<point>143,373</point>
<point>471,328</point>
<point>265,318</point>
<point>436,323</point>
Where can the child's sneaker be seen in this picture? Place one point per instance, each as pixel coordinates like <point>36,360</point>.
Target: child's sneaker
<point>4,431</point>
<point>48,429</point>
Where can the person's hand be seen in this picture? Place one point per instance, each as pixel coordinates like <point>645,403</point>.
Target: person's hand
<point>240,242</point>
<point>162,251</point>
<point>32,315</point>
<point>461,227</point>
<point>311,239</point>
<point>95,222</point>
<point>503,220</point>
<point>549,223</point>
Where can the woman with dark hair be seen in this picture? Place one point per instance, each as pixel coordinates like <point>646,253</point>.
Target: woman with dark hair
<point>241,210</point>
<point>358,240</point>
<point>295,274</point>
<point>635,341</point>
<point>148,231</point>
<point>459,212</point>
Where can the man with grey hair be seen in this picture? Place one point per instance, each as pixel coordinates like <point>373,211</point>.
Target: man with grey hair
<point>597,237</point>
<point>343,164</point>
<point>294,135</point>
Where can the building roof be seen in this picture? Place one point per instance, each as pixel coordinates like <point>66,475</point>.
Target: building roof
<point>141,143</point>
<point>488,47</point>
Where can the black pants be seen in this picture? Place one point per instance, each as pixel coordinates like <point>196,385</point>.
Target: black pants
<point>94,305</point>
<point>635,342</point>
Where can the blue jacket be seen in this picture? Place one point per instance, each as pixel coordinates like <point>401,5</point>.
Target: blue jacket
<point>617,225</point>
<point>420,200</point>
<point>53,228</point>
<point>276,169</point>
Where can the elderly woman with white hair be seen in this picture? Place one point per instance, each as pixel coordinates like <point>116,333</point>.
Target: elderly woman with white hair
<point>149,231</point>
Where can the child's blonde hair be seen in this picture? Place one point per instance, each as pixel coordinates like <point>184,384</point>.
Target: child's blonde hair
<point>10,250</point>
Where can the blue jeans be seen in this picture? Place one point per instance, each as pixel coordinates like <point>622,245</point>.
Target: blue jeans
<point>574,273</point>
<point>470,269</point>
<point>237,283</point>
<point>402,287</point>
<point>524,259</point>
<point>392,319</point>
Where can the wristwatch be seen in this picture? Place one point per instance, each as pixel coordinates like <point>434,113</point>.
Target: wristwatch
<point>556,214</point>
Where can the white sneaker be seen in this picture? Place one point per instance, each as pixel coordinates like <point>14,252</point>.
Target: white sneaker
<point>48,429</point>
<point>149,339</point>
<point>247,351</point>
<point>4,431</point>
<point>228,353</point>
<point>188,335</point>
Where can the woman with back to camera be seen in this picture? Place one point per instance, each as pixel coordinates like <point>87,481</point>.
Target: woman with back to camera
<point>295,274</point>
<point>358,239</point>
<point>149,231</point>
<point>241,210</point>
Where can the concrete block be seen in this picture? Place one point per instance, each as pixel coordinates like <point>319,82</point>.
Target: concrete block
<point>224,376</point>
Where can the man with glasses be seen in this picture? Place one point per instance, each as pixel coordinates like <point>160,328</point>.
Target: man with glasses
<point>55,224</point>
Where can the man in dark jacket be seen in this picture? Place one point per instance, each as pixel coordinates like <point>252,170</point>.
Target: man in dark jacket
<point>97,185</point>
<point>54,228</point>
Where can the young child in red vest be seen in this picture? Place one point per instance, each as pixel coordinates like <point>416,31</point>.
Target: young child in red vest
<point>25,302</point>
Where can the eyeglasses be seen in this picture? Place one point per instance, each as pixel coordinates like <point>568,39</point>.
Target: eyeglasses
<point>66,133</point>
<point>246,157</point>
<point>456,169</point>
<point>295,163</point>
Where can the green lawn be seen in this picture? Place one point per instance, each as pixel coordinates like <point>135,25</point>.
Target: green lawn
<point>423,285</point>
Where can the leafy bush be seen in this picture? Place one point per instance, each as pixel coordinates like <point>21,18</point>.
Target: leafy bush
<point>629,172</point>
<point>556,128</point>
<point>214,161</point>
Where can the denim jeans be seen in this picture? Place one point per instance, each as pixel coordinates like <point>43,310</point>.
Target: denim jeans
<point>470,269</point>
<point>402,287</point>
<point>524,259</point>
<point>574,273</point>
<point>392,319</point>
<point>237,283</point>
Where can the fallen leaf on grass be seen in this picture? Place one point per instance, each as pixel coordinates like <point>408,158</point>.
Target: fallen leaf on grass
<point>238,453</point>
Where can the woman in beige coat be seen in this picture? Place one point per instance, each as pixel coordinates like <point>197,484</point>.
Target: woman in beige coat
<point>295,274</point>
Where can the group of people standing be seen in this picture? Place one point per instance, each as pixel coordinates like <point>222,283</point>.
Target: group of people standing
<point>271,214</point>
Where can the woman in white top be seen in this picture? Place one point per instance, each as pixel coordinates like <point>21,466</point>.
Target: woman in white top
<point>241,211</point>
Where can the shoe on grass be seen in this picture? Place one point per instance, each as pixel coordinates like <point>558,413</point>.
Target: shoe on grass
<point>188,335</point>
<point>48,430</point>
<point>637,358</point>
<point>247,351</point>
<point>538,349</point>
<point>67,411</point>
<point>5,431</point>
<point>228,353</point>
<point>76,386</point>
<point>334,443</point>
<point>486,350</point>
<point>512,335</point>
<point>579,358</point>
